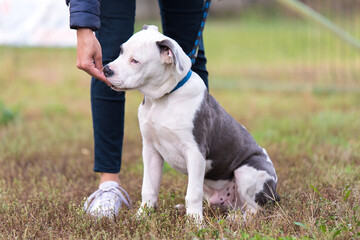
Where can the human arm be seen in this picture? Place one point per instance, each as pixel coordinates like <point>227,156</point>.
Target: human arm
<point>89,57</point>
<point>84,17</point>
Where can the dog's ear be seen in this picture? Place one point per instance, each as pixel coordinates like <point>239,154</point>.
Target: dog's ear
<point>150,27</point>
<point>169,54</point>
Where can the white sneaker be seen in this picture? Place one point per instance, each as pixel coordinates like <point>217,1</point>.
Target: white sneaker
<point>107,200</point>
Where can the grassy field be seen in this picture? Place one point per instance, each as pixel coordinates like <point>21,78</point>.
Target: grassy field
<point>300,101</point>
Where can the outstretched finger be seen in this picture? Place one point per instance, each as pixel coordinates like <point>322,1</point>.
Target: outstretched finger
<point>96,73</point>
<point>99,67</point>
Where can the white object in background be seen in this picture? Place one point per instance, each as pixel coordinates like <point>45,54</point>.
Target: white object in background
<point>35,23</point>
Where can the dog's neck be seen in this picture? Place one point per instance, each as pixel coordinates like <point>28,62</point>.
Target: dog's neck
<point>171,83</point>
<point>182,82</point>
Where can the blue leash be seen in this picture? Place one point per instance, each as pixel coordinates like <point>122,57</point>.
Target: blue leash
<point>183,81</point>
<point>194,52</point>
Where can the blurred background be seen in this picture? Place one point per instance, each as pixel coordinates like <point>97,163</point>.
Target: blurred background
<point>267,39</point>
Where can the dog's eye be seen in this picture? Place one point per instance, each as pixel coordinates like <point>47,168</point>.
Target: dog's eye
<point>134,61</point>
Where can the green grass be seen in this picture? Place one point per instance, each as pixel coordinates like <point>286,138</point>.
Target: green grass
<point>309,124</point>
<point>266,52</point>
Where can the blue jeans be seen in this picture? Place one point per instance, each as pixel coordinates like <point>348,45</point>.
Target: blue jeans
<point>181,21</point>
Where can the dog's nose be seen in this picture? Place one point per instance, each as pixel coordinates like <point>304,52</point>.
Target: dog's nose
<point>107,71</point>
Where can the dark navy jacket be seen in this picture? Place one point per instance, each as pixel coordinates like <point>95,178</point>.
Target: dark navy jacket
<point>84,14</point>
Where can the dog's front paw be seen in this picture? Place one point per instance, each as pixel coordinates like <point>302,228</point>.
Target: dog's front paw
<point>196,217</point>
<point>140,213</point>
<point>144,211</point>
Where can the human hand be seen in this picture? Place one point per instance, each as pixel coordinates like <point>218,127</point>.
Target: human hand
<point>89,57</point>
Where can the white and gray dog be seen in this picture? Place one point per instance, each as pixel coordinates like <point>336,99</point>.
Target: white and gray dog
<point>186,127</point>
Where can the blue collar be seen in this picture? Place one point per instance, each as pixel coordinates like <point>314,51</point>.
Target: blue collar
<point>183,81</point>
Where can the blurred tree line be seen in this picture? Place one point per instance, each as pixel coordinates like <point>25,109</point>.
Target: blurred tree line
<point>148,9</point>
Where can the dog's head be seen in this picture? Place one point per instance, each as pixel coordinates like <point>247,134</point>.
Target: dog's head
<point>149,62</point>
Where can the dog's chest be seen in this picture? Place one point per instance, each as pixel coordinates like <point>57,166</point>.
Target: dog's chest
<point>167,126</point>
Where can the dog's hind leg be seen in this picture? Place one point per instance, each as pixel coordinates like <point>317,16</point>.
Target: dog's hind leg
<point>252,185</point>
